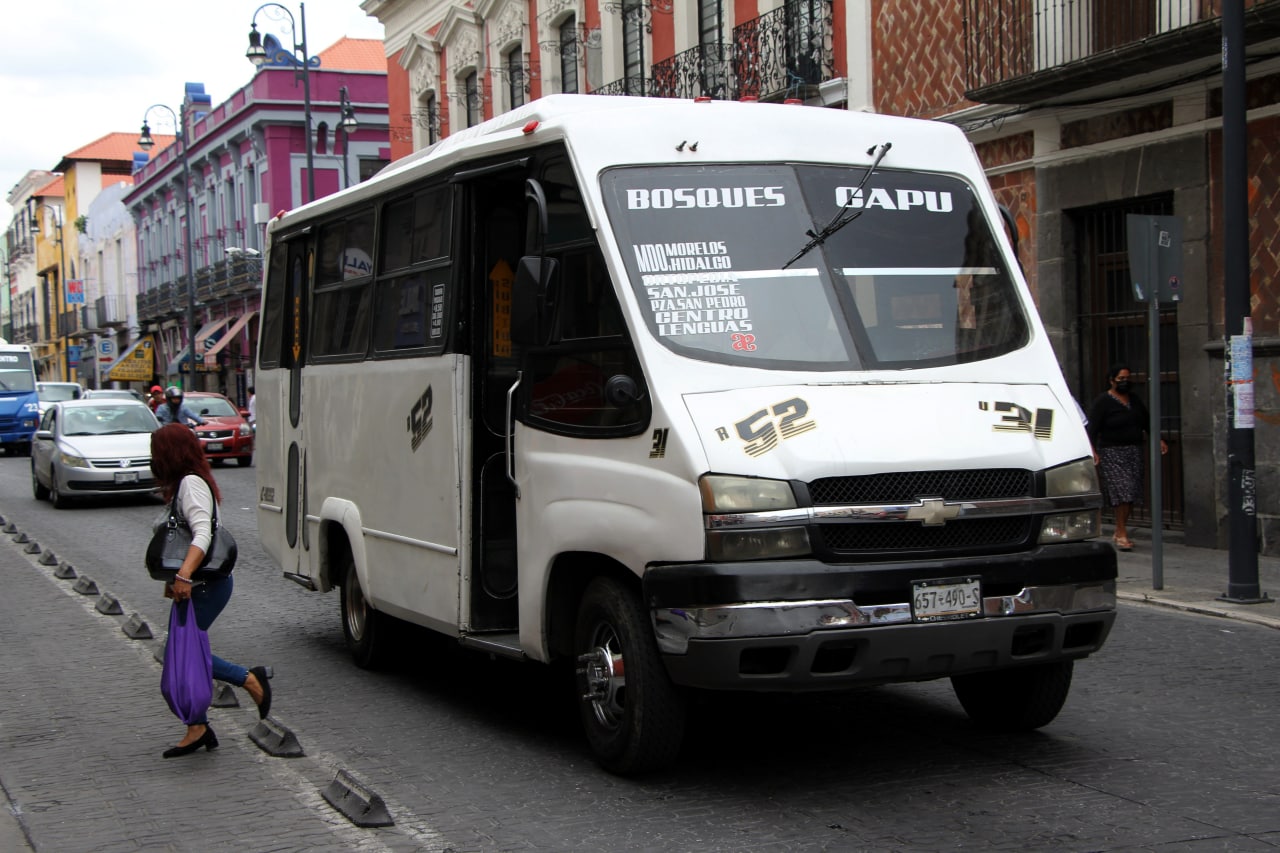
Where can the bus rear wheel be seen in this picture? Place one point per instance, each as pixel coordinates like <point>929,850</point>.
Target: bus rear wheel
<point>632,714</point>
<point>367,631</point>
<point>1015,700</point>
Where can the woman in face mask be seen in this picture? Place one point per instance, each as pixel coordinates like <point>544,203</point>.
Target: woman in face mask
<point>1117,428</point>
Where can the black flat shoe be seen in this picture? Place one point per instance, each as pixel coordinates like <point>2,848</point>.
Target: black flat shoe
<point>208,740</point>
<point>264,679</point>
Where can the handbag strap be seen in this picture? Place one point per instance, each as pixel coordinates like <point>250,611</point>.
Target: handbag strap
<point>173,508</point>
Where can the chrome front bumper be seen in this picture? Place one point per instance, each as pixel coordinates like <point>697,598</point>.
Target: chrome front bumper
<point>674,627</point>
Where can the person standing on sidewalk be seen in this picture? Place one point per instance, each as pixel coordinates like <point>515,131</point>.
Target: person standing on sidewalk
<point>181,469</point>
<point>1117,428</point>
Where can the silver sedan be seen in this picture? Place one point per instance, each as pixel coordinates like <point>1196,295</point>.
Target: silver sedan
<point>92,447</point>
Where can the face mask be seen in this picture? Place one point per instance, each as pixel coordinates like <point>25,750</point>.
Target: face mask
<point>1123,385</point>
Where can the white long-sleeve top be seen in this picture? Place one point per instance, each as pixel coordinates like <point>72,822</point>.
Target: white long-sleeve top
<point>195,504</point>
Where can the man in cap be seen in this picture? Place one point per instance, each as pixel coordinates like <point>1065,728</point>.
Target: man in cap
<point>156,397</point>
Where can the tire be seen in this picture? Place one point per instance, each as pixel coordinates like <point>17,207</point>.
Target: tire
<point>1015,700</point>
<point>632,715</point>
<point>59,500</point>
<point>244,461</point>
<point>367,631</point>
<point>40,492</point>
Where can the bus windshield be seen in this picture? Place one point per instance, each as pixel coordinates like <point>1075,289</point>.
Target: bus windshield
<point>16,375</point>
<point>916,280</point>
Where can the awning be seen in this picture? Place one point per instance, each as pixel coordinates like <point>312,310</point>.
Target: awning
<point>175,363</point>
<point>211,355</point>
<point>136,364</point>
<point>202,336</point>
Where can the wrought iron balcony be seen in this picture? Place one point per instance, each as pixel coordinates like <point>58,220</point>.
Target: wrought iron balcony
<point>1021,51</point>
<point>705,70</point>
<point>784,53</point>
<point>112,310</point>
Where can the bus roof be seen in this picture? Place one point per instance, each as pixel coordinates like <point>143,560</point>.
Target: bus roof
<point>604,131</point>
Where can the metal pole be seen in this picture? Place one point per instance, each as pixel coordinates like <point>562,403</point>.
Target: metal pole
<point>191,276</point>
<point>1153,433</point>
<point>343,106</point>
<point>306,103</point>
<point>62,296</point>
<point>1242,584</point>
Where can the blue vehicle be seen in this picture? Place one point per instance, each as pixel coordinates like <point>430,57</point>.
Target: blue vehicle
<point>19,405</point>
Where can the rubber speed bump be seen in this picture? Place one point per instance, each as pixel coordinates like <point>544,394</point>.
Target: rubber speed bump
<point>274,739</point>
<point>356,802</point>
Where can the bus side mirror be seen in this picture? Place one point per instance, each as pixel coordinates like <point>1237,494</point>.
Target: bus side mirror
<point>533,300</point>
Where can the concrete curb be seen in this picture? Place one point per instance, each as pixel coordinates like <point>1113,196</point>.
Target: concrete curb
<point>1203,608</point>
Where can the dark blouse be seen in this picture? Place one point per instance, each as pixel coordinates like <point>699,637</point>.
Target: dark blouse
<point>1111,423</point>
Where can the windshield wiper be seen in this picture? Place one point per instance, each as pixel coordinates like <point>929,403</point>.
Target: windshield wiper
<point>844,215</point>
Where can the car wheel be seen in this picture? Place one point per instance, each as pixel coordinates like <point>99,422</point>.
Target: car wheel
<point>1015,700</point>
<point>366,630</point>
<point>40,492</point>
<point>244,461</point>
<point>632,714</point>
<point>60,501</point>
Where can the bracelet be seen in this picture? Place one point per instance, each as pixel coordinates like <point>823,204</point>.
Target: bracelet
<point>181,578</point>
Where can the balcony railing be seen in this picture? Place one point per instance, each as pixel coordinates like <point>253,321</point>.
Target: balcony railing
<point>234,276</point>
<point>112,310</point>
<point>784,53</point>
<point>1018,51</point>
<point>705,70</point>
<point>68,323</point>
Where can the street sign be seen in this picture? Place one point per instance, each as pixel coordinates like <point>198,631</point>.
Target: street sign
<point>1155,257</point>
<point>75,291</point>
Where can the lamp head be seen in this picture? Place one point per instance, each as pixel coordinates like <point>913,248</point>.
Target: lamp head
<point>145,142</point>
<point>256,53</point>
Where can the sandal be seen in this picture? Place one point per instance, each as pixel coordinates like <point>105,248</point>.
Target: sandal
<point>1122,544</point>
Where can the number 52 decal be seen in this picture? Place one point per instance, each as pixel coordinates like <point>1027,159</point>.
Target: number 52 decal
<point>761,431</point>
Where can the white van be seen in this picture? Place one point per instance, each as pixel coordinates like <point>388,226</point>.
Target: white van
<point>698,395</point>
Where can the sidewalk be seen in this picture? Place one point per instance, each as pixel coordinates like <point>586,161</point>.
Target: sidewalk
<point>1194,579</point>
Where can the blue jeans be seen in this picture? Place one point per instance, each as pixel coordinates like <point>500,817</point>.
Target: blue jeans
<point>208,599</point>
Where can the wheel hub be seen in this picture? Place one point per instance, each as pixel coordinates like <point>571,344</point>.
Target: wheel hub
<point>605,681</point>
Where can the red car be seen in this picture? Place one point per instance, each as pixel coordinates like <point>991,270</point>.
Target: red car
<point>227,435</point>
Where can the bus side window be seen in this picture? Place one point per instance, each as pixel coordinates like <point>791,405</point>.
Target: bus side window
<point>344,288</point>
<point>410,300</point>
<point>273,311</point>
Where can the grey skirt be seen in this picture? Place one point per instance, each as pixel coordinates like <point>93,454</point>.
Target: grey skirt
<point>1122,474</point>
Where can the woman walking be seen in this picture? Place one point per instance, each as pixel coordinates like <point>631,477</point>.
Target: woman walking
<point>181,469</point>
<point>1117,428</point>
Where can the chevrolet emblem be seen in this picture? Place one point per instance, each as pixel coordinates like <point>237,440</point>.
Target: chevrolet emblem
<point>932,512</point>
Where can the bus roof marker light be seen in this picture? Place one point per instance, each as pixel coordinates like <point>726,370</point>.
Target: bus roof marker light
<point>702,99</point>
<point>793,101</point>
<point>531,126</point>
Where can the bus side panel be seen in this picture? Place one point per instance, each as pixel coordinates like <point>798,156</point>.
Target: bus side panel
<point>396,417</point>
<point>271,402</point>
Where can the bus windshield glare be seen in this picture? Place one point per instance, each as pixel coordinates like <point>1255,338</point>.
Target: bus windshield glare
<point>916,280</point>
<point>16,375</point>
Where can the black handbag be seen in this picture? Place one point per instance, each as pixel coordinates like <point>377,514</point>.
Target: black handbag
<point>168,549</point>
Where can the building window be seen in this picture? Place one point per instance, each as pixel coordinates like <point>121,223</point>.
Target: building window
<point>633,46</point>
<point>710,21</point>
<point>471,90</point>
<point>569,56</point>
<point>515,77</point>
<point>433,120</point>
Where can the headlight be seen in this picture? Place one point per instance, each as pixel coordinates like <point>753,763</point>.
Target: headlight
<point>1074,478</point>
<point>245,431</point>
<point>721,493</point>
<point>71,460</point>
<point>1071,526</point>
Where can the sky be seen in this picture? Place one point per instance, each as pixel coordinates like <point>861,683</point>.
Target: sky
<point>72,71</point>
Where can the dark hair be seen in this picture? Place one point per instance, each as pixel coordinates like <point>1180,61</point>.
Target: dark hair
<point>175,453</point>
<point>1116,368</point>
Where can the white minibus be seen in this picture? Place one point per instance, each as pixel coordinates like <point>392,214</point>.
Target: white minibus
<point>690,395</point>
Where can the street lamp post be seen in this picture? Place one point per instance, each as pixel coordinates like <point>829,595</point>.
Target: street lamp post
<point>347,124</point>
<point>145,142</point>
<point>60,300</point>
<point>257,54</point>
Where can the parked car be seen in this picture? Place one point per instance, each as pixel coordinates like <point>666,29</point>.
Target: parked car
<point>56,392</point>
<point>228,434</point>
<point>91,448</point>
<point>114,394</point>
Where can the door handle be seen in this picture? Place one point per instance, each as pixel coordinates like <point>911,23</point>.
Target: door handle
<point>509,441</point>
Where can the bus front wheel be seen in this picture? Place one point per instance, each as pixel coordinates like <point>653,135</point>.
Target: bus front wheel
<point>632,714</point>
<point>366,630</point>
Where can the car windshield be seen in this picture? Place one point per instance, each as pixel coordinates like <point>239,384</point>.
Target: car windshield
<point>916,281</point>
<point>213,406</point>
<point>107,420</point>
<point>50,393</point>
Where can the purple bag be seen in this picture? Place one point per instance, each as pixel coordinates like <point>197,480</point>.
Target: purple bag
<point>187,680</point>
